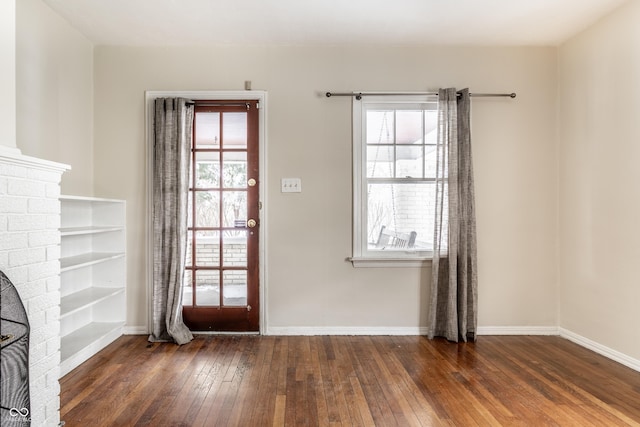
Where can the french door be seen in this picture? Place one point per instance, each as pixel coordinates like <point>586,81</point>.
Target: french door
<point>221,277</point>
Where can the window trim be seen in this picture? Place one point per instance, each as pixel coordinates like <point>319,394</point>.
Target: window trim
<point>361,256</point>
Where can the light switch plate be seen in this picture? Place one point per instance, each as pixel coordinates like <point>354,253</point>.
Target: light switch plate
<point>291,185</point>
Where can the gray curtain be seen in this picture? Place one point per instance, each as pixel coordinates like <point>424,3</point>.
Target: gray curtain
<point>173,124</point>
<point>454,294</point>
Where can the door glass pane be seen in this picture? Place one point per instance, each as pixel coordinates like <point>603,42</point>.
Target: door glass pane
<point>409,127</point>
<point>208,288</point>
<point>380,125</point>
<point>234,248</point>
<point>234,173</point>
<point>207,208</point>
<point>187,290</point>
<point>208,248</point>
<point>235,288</point>
<point>234,130</point>
<point>208,170</point>
<point>207,130</point>
<point>234,207</point>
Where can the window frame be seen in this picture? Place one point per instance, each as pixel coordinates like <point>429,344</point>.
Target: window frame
<point>361,255</point>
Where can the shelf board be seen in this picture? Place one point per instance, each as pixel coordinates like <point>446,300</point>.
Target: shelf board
<point>81,344</point>
<point>84,260</point>
<point>79,231</point>
<point>79,300</point>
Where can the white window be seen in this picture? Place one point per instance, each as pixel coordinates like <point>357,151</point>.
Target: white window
<point>394,154</point>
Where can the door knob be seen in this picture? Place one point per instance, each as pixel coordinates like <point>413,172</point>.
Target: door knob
<point>251,223</point>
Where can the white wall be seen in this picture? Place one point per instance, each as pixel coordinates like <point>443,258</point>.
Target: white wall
<point>8,73</point>
<point>599,80</point>
<point>54,89</point>
<point>309,136</point>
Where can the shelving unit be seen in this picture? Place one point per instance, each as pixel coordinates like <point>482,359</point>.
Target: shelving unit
<point>93,276</point>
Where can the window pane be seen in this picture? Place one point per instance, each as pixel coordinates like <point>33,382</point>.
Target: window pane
<point>430,126</point>
<point>207,208</point>
<point>234,169</point>
<point>207,126</point>
<point>409,127</point>
<point>409,161</point>
<point>234,207</point>
<point>430,159</point>
<point>379,161</point>
<point>208,287</point>
<point>234,130</point>
<point>402,208</point>
<point>208,170</point>
<point>380,126</point>
<point>235,288</point>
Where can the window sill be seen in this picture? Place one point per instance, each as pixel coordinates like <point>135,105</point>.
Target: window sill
<point>371,262</point>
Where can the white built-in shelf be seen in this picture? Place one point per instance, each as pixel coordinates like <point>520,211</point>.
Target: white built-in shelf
<point>78,231</point>
<point>88,259</point>
<point>93,276</point>
<point>87,297</point>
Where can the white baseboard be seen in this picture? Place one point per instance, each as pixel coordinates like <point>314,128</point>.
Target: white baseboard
<point>135,330</point>
<point>601,349</point>
<point>518,330</point>
<point>344,330</point>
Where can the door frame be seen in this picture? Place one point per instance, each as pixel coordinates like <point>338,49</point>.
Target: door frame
<point>261,96</point>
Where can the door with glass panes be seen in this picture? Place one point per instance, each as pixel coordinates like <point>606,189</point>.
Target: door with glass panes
<point>221,277</point>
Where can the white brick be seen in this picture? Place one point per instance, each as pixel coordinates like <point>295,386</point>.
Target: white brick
<point>42,205</point>
<point>53,314</point>
<point>31,290</point>
<point>27,256</point>
<point>42,333</point>
<point>44,175</point>
<point>13,170</point>
<point>36,319</point>
<point>26,222</point>
<point>26,188</point>
<point>44,302</point>
<point>52,222</point>
<point>37,350</point>
<point>4,260</point>
<point>13,204</point>
<point>11,241</point>
<point>18,276</point>
<point>53,347</point>
<point>52,190</point>
<point>53,284</point>
<point>53,253</point>
<point>3,223</point>
<point>43,270</point>
<point>3,185</point>
<point>44,238</point>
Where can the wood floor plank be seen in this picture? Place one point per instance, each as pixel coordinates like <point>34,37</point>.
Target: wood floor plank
<point>349,381</point>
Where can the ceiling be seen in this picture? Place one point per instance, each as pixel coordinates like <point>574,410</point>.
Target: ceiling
<point>300,22</point>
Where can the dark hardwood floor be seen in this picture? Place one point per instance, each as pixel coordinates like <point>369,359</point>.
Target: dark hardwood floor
<point>350,381</point>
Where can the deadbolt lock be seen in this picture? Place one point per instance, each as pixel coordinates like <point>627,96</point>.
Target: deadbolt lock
<point>251,223</point>
<point>251,182</point>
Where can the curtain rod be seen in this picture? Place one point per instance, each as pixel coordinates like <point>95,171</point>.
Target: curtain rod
<point>359,95</point>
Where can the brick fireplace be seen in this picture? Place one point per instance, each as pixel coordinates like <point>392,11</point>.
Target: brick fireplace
<point>29,256</point>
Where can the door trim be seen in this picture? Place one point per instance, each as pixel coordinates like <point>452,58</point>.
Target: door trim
<point>261,96</point>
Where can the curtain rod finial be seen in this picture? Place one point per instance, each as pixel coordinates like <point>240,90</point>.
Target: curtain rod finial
<point>328,94</point>
<point>513,95</point>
